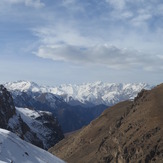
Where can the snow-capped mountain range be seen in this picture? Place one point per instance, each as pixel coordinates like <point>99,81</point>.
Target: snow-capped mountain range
<point>13,149</point>
<point>89,93</point>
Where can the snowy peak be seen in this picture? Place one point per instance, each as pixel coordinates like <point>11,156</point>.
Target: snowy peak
<point>13,149</point>
<point>23,86</point>
<point>101,93</point>
<point>95,93</point>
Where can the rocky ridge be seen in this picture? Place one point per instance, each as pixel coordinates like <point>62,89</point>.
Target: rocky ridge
<point>12,119</point>
<point>131,131</point>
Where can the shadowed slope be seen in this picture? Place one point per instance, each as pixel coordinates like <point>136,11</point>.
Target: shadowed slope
<point>127,132</point>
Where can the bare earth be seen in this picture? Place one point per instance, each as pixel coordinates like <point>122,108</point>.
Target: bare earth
<point>127,132</point>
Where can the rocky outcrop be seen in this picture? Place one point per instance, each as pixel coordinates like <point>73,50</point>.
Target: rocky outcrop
<point>7,109</point>
<point>42,124</point>
<point>8,112</point>
<point>129,132</point>
<point>29,128</point>
<point>52,133</point>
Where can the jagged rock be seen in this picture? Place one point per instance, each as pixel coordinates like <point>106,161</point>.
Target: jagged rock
<point>7,109</point>
<point>43,125</point>
<point>25,126</point>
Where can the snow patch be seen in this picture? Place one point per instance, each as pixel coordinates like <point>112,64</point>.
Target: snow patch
<point>13,149</point>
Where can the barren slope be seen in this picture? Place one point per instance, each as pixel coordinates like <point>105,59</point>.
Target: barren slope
<point>127,132</point>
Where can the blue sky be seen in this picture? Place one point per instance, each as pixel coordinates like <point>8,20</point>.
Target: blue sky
<point>72,41</point>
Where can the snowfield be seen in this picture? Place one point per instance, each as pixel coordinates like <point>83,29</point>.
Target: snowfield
<point>15,150</point>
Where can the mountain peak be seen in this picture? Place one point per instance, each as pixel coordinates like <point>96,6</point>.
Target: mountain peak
<point>95,93</point>
<point>23,85</point>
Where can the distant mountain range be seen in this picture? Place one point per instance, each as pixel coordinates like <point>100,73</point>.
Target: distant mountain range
<point>73,105</point>
<point>88,94</point>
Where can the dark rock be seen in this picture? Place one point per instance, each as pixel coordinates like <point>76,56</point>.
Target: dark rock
<point>7,108</point>
<point>11,120</point>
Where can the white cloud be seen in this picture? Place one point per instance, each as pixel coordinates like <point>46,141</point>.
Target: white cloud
<point>107,55</point>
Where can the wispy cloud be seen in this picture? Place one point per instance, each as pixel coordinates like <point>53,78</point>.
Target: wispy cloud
<point>29,3</point>
<point>136,13</point>
<point>62,35</point>
<point>141,19</point>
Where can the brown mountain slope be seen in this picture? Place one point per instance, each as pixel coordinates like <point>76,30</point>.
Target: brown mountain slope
<point>127,132</point>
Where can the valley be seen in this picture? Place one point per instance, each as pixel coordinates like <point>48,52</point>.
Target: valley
<point>108,133</point>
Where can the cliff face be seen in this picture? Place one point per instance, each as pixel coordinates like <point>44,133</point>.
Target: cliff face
<point>131,131</point>
<point>7,109</point>
<point>38,128</point>
<point>8,112</point>
<point>41,123</point>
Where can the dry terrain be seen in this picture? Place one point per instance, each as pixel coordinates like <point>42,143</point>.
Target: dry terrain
<point>131,131</point>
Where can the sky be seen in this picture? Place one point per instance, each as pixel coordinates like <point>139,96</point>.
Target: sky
<point>55,42</point>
